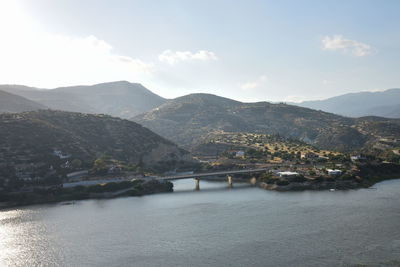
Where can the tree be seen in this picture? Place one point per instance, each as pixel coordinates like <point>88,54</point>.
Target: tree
<point>76,163</point>
<point>100,166</point>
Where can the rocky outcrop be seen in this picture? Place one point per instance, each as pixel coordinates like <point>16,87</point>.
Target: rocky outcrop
<point>314,185</point>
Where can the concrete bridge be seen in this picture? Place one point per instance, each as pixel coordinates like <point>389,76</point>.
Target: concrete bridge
<point>198,176</point>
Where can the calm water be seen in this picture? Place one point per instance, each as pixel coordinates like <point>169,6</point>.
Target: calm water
<point>244,226</point>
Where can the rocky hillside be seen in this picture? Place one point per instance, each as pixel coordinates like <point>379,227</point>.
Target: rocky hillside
<point>37,137</point>
<point>10,103</point>
<point>121,99</point>
<point>187,121</point>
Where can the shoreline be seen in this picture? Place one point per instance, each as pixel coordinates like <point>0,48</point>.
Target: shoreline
<point>352,184</point>
<point>142,187</point>
<point>107,191</point>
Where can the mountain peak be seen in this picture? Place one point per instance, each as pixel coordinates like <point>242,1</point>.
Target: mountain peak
<point>122,82</point>
<point>208,99</point>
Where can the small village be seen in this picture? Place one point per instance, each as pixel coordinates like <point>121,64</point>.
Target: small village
<point>286,161</point>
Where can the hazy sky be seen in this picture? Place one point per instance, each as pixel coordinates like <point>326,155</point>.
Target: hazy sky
<point>246,50</point>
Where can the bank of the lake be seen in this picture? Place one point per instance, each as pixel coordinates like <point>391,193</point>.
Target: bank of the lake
<point>97,191</point>
<point>216,226</point>
<point>366,176</point>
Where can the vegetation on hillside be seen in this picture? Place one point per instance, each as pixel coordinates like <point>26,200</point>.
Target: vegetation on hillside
<point>48,144</point>
<point>190,119</point>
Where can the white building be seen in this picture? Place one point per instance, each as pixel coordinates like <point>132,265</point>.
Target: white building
<point>60,154</point>
<point>287,174</point>
<point>239,153</point>
<point>309,155</point>
<point>356,158</point>
<point>334,172</point>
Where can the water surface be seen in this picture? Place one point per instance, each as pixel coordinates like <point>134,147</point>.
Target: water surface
<point>217,226</point>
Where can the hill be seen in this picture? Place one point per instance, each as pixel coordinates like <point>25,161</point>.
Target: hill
<point>10,103</point>
<point>384,104</point>
<point>121,99</point>
<point>189,119</point>
<point>47,139</point>
<point>388,111</point>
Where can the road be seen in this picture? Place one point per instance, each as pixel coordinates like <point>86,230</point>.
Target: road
<point>199,175</point>
<point>165,178</point>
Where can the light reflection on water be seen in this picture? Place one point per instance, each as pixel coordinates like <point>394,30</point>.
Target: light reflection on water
<point>216,226</point>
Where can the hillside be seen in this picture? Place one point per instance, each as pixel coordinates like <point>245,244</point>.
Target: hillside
<point>10,103</point>
<point>384,104</point>
<point>388,111</point>
<point>42,137</point>
<point>120,99</point>
<point>252,145</point>
<point>188,120</point>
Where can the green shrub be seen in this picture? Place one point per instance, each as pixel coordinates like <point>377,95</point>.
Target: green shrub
<point>282,182</point>
<point>298,179</point>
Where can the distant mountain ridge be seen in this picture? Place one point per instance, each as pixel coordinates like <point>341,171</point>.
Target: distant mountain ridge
<point>121,99</point>
<point>189,119</point>
<point>384,104</point>
<point>10,103</point>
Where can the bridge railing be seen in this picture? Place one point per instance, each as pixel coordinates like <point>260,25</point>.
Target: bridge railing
<point>199,175</point>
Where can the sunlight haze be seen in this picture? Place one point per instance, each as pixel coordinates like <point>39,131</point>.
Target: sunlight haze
<point>250,51</point>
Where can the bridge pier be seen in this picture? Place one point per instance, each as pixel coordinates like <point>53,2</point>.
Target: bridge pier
<point>230,181</point>
<point>197,182</point>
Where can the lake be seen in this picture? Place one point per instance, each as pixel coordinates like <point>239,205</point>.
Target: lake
<point>216,226</point>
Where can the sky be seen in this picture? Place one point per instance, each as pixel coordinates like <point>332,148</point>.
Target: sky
<point>248,50</point>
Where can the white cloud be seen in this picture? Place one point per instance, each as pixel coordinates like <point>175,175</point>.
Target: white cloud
<point>173,57</point>
<point>338,42</point>
<point>89,48</point>
<point>252,85</point>
<point>248,86</point>
<point>325,82</point>
<point>35,57</point>
<point>293,99</point>
<point>51,60</point>
<point>136,65</point>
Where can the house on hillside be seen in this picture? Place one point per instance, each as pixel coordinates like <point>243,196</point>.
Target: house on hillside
<point>287,174</point>
<point>60,154</point>
<point>66,165</point>
<point>24,172</point>
<point>356,158</point>
<point>334,172</point>
<point>240,154</point>
<point>114,168</point>
<point>309,155</point>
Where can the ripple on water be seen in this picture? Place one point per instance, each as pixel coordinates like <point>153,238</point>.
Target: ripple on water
<point>243,226</point>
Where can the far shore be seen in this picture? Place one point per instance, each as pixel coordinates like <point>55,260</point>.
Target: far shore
<point>112,188</point>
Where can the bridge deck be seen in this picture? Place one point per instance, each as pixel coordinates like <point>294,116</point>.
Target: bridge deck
<point>199,175</point>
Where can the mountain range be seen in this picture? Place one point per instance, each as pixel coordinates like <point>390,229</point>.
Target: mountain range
<point>188,120</point>
<point>120,99</point>
<point>384,104</point>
